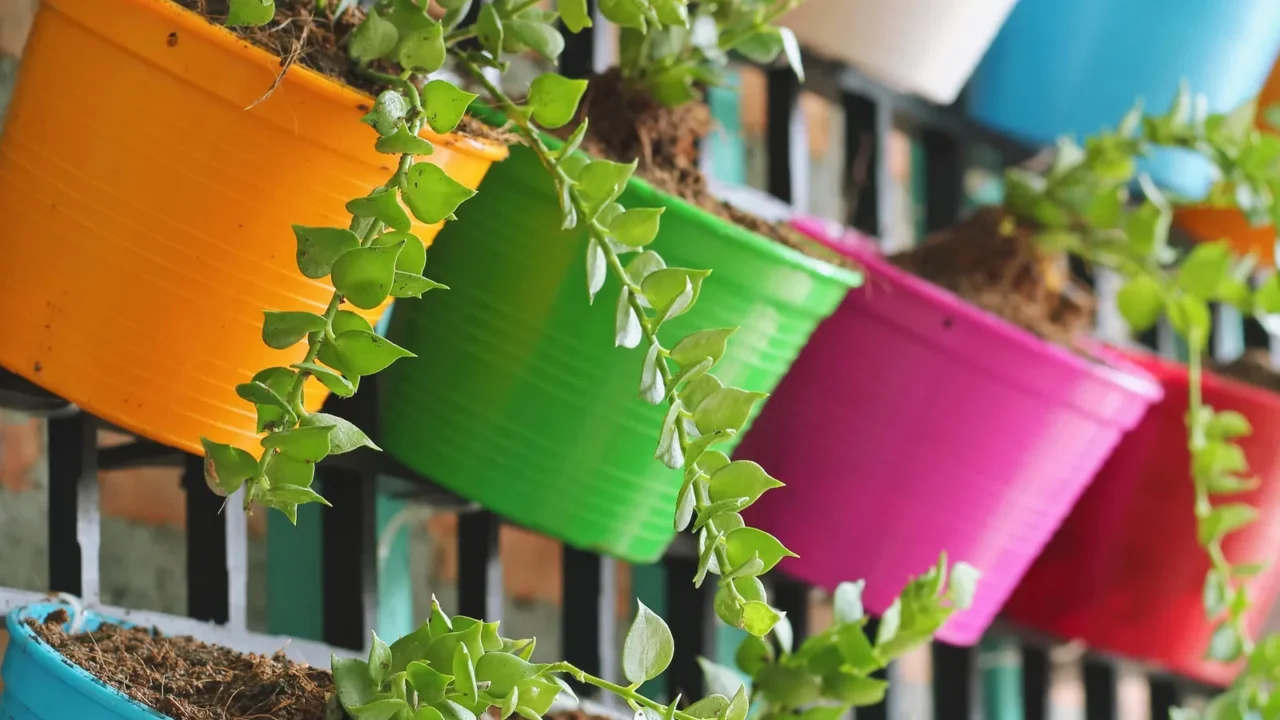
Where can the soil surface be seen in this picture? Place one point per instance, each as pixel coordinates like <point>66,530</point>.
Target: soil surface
<point>1001,270</point>
<point>628,123</point>
<point>1254,368</point>
<point>317,39</point>
<point>190,680</point>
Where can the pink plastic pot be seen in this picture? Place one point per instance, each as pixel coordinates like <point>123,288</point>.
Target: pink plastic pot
<point>914,423</point>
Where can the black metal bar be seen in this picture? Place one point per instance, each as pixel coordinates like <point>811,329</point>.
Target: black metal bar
<point>944,179</point>
<point>578,60</point>
<point>479,566</point>
<point>954,682</point>
<point>782,100</point>
<point>868,122</point>
<point>1164,696</point>
<point>74,526</point>
<point>691,617</point>
<point>349,541</point>
<point>588,613</point>
<point>1101,700</point>
<point>792,597</point>
<point>208,581</point>
<point>1035,683</point>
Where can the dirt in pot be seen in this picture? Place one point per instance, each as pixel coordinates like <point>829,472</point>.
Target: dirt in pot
<point>190,680</point>
<point>627,123</point>
<point>317,39</point>
<point>1254,368</point>
<point>1006,274</point>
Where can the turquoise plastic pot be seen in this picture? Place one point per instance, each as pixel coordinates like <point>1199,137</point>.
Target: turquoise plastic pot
<point>1076,66</point>
<point>518,398</point>
<point>40,684</point>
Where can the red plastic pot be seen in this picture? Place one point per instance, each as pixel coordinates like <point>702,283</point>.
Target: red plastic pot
<point>1124,573</point>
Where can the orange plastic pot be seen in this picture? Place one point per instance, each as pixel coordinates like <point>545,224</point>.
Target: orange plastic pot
<point>146,212</point>
<point>1211,224</point>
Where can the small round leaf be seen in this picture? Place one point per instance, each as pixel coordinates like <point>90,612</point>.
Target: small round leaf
<point>554,99</point>
<point>431,194</point>
<point>648,648</point>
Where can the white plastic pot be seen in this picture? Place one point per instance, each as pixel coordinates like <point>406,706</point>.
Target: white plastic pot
<point>926,47</point>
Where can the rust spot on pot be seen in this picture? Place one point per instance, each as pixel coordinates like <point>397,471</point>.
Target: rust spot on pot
<point>172,39</point>
<point>38,366</point>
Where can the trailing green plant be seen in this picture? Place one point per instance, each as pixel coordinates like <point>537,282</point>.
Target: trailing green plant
<point>1083,205</point>
<point>670,53</point>
<point>832,671</point>
<point>457,668</point>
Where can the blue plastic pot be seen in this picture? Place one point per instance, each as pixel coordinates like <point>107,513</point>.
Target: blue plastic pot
<point>40,684</point>
<point>1076,66</point>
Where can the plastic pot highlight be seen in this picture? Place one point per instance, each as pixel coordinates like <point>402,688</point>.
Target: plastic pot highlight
<point>147,230</point>
<point>518,398</point>
<point>1124,572</point>
<point>1076,67</point>
<point>914,423</point>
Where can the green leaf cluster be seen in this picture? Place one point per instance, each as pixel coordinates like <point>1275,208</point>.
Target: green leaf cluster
<point>832,671</point>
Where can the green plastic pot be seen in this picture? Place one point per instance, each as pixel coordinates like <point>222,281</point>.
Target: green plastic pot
<point>518,398</point>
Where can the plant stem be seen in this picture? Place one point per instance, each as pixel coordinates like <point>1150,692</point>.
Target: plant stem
<point>598,232</point>
<point>621,691</point>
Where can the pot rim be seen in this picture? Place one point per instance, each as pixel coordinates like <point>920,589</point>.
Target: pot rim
<point>1110,365</point>
<point>750,239</point>
<point>331,88</point>
<point>55,663</point>
<point>1167,370</point>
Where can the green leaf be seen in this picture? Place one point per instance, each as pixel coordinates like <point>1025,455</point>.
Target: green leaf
<point>602,181</point>
<point>503,671</point>
<point>464,674</point>
<point>1190,317</point>
<point>652,387</point>
<point>636,228</point>
<point>403,142</point>
<point>1148,228</point>
<point>308,444</point>
<point>541,37</point>
<point>445,105</point>
<point>364,276</point>
<point>644,265</point>
<point>624,13</point>
<point>710,706</point>
<point>890,621</point>
<point>279,380</point>
<point>250,13</point>
<point>575,14</point>
<point>791,48</point>
<point>741,479</point>
<point>964,584</point>
<point>856,648</point>
<point>409,285</point>
<point>743,543</point>
<point>702,344</point>
<point>410,648</point>
<point>854,689</point>
<point>282,330</point>
<point>759,618</point>
<point>1141,301</point>
<point>381,709</point>
<point>428,712</point>
<point>260,394</point>
<point>388,110</point>
<point>597,269</point>
<point>720,680</point>
<point>847,602</point>
<point>489,30</point>
<point>1204,268</point>
<point>627,330</point>
<point>342,322</point>
<point>554,99</point>
<point>383,205</point>
<point>509,704</point>
<point>672,291</point>
<point>379,661</point>
<point>284,471</point>
<point>1215,594</point>
<point>354,684</point>
<point>375,39</point>
<point>423,49</point>
<point>1226,425</point>
<point>648,648</point>
<point>413,254</point>
<point>345,436</point>
<point>431,194</point>
<point>670,452</point>
<point>753,653</point>
<point>763,46</point>
<point>451,710</point>
<point>725,409</point>
<point>1267,298</point>
<point>672,12</point>
<point>226,467</point>
<point>1224,519</point>
<point>707,513</point>
<point>1224,645</point>
<point>364,353</point>
<point>790,687</point>
<point>319,248</point>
